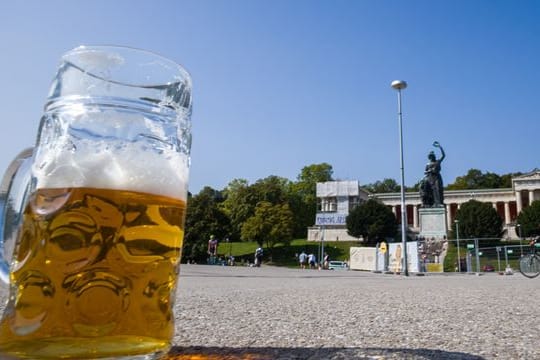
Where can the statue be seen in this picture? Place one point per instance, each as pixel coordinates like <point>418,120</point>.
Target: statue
<point>431,186</point>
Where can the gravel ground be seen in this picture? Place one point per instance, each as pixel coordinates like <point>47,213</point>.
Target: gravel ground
<point>310,314</point>
<point>276,313</point>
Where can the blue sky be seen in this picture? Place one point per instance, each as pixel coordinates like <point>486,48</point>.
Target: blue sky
<point>282,84</point>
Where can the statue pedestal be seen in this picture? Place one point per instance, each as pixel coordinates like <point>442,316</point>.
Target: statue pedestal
<point>433,223</point>
<point>432,244</point>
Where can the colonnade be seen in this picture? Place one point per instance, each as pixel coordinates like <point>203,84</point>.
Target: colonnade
<point>507,202</point>
<point>508,211</point>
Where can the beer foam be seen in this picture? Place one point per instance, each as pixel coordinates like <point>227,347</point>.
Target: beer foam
<point>159,172</point>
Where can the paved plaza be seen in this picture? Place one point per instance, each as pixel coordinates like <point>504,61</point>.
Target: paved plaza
<point>278,313</point>
<point>308,314</point>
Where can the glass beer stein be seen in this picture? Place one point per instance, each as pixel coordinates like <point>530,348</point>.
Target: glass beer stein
<point>93,215</point>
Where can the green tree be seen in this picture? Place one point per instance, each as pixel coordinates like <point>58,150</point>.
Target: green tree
<point>478,220</point>
<point>238,205</point>
<point>506,179</point>
<point>372,220</point>
<point>529,220</point>
<point>271,224</point>
<point>384,186</point>
<point>472,180</point>
<point>242,199</point>
<point>476,179</point>
<point>204,217</point>
<point>415,187</point>
<point>273,189</point>
<point>302,195</point>
<point>315,173</point>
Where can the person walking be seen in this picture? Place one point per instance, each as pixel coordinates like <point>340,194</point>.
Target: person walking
<point>326,261</point>
<point>212,250</point>
<point>302,259</point>
<point>258,256</point>
<point>312,261</point>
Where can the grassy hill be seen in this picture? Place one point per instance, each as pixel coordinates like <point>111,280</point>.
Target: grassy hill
<point>285,255</point>
<point>339,250</point>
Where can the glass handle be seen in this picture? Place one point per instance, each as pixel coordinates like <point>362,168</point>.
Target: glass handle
<point>14,191</point>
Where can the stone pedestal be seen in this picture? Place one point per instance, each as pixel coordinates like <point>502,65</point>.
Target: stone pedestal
<point>432,235</point>
<point>433,223</point>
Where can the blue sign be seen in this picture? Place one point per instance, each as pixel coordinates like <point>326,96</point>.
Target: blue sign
<point>331,219</point>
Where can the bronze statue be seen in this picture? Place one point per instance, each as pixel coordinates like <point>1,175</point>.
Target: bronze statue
<point>431,186</point>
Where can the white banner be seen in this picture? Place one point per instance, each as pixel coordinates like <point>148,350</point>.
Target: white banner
<point>368,258</point>
<point>396,253</point>
<point>362,258</point>
<point>338,188</point>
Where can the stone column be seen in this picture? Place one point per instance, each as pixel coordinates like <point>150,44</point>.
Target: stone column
<point>394,210</point>
<point>494,204</point>
<point>519,202</point>
<point>506,212</point>
<point>415,216</point>
<point>448,217</point>
<point>531,197</point>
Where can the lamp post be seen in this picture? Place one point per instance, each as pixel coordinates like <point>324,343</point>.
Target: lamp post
<point>457,239</point>
<point>322,250</point>
<point>400,85</point>
<point>519,235</point>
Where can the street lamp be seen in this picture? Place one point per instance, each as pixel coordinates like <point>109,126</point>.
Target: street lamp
<point>400,85</point>
<point>321,257</point>
<point>457,239</point>
<point>519,235</point>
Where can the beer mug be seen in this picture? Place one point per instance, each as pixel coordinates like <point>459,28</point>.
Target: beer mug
<point>93,215</point>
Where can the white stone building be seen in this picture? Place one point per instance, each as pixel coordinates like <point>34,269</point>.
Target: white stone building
<point>334,201</point>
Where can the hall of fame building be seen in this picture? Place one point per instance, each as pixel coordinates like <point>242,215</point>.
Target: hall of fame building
<point>336,198</point>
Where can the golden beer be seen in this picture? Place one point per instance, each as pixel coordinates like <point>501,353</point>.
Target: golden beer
<point>94,275</point>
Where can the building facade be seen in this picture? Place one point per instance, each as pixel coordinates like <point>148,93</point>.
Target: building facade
<point>334,201</point>
<point>507,202</point>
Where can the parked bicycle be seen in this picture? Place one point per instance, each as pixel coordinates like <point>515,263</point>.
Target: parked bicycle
<point>529,265</point>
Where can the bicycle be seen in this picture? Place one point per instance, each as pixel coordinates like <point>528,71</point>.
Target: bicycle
<point>529,265</point>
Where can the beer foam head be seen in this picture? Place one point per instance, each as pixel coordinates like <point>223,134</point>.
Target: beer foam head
<point>106,167</point>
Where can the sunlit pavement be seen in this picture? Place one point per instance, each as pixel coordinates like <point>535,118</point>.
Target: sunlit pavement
<point>268,313</point>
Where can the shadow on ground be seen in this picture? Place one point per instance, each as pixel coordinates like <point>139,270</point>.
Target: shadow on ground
<point>268,353</point>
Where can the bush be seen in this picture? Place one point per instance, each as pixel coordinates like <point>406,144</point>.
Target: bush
<point>371,220</point>
<point>529,220</point>
<point>478,220</point>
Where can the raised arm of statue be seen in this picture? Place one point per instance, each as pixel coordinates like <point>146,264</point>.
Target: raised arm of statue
<point>443,155</point>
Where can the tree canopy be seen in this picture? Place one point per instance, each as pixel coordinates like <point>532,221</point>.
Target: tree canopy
<point>271,224</point>
<point>238,205</point>
<point>315,173</point>
<point>476,179</point>
<point>271,210</point>
<point>371,220</point>
<point>241,199</point>
<point>385,186</point>
<point>303,195</point>
<point>529,220</point>
<point>478,220</point>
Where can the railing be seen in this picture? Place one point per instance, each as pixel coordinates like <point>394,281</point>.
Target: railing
<point>485,255</point>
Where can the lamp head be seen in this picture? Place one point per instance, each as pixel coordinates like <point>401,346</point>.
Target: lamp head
<point>399,84</point>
